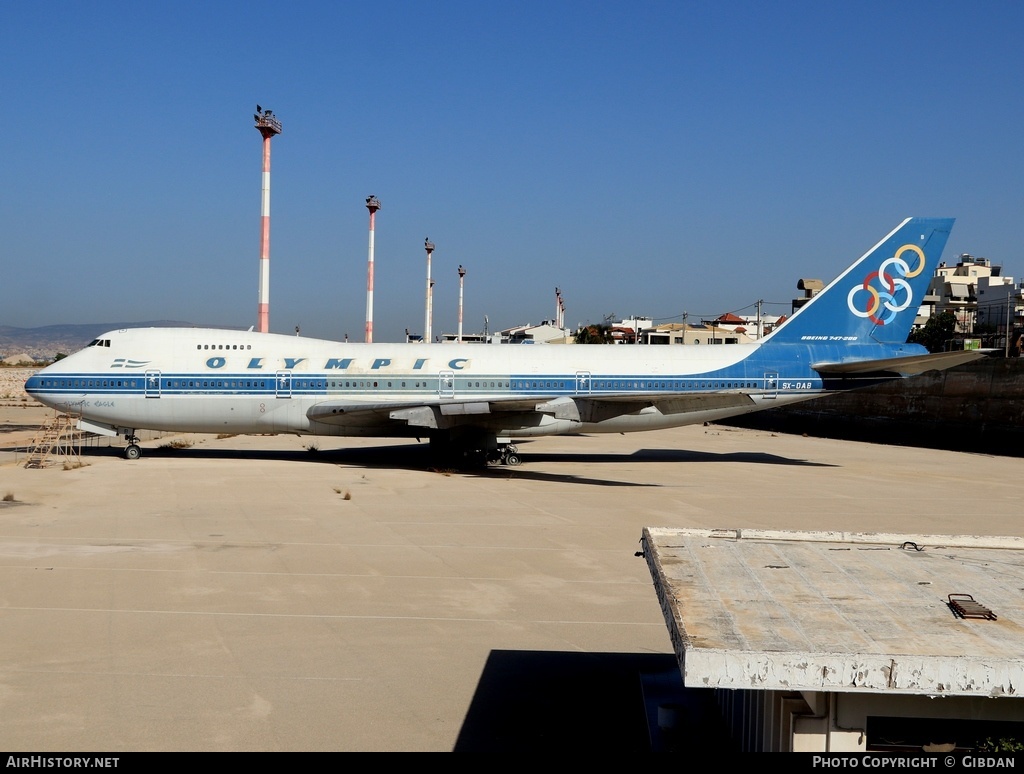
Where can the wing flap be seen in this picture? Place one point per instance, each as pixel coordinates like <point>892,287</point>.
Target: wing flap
<point>424,413</point>
<point>686,404</point>
<point>339,412</point>
<point>575,408</point>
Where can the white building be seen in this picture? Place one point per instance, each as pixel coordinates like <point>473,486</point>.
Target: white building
<point>683,333</point>
<point>975,291</point>
<point>754,326</point>
<point>547,332</point>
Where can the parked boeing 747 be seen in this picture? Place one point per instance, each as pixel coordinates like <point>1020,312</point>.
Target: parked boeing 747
<point>478,399</point>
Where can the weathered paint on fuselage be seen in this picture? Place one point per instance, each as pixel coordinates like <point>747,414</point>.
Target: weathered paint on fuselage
<point>206,380</point>
<point>200,380</point>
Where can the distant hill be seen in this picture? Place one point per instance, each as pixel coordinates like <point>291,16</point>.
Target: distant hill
<point>44,343</point>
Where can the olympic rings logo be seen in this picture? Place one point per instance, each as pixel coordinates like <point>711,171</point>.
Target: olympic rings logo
<point>892,294</point>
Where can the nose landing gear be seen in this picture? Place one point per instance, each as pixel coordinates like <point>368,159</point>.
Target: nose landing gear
<point>132,451</point>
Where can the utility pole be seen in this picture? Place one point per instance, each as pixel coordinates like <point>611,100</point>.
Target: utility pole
<point>428,316</point>
<point>462,276</point>
<point>269,126</point>
<point>372,204</point>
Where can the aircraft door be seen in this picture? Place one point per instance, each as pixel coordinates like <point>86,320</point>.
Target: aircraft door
<point>446,384</point>
<point>771,384</point>
<point>152,387</point>
<point>283,385</point>
<point>582,382</point>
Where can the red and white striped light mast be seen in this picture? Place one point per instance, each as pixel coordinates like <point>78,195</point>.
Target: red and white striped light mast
<point>372,204</point>
<point>462,276</point>
<point>429,314</point>
<point>268,126</point>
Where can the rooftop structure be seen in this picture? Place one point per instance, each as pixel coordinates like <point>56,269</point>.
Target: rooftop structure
<point>824,638</point>
<point>547,331</point>
<point>684,333</point>
<point>755,326</point>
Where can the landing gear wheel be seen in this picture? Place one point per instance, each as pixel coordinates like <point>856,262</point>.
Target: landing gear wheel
<point>512,459</point>
<point>132,452</point>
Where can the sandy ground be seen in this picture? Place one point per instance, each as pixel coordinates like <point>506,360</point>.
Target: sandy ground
<point>247,593</point>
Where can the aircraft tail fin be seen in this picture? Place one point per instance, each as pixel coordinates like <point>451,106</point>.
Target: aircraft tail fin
<point>875,300</point>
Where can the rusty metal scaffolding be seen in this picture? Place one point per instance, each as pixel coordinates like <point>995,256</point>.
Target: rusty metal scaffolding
<point>57,440</point>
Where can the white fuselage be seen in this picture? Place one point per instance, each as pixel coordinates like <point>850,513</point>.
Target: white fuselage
<point>206,380</point>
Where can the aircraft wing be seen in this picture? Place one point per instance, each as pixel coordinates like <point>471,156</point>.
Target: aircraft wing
<point>906,366</point>
<point>607,406</point>
<point>447,412</point>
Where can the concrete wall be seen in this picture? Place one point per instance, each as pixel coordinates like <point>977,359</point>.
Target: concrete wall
<point>977,407</point>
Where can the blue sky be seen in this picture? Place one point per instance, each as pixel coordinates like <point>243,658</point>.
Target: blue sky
<point>648,158</point>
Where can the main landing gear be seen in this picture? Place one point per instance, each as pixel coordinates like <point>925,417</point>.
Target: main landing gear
<point>505,454</point>
<point>472,450</point>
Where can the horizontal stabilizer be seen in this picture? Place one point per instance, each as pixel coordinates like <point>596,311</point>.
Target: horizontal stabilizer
<point>907,366</point>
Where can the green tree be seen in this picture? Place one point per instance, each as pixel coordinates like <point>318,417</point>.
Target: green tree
<point>936,332</point>
<point>594,334</point>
